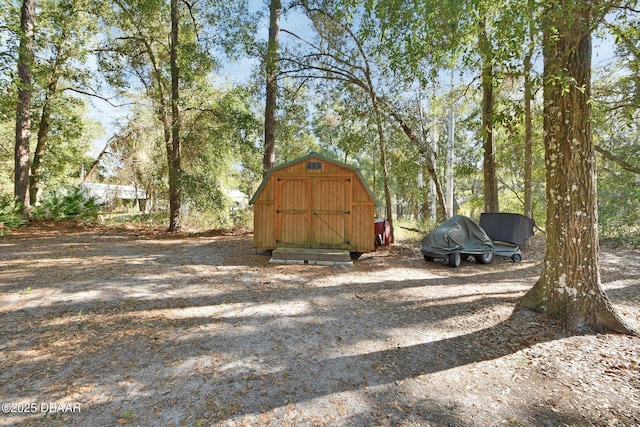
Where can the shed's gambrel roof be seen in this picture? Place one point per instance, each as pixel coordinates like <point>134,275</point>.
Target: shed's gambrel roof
<point>317,156</point>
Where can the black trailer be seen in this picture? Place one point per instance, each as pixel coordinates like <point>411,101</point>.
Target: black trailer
<point>508,231</point>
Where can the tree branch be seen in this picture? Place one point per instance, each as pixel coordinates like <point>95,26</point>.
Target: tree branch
<point>95,95</point>
<point>513,190</point>
<point>622,163</point>
<point>334,73</point>
<point>115,139</point>
<point>190,6</point>
<point>628,8</point>
<point>292,34</point>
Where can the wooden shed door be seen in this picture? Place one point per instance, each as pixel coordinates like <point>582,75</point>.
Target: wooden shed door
<point>292,214</point>
<point>330,212</point>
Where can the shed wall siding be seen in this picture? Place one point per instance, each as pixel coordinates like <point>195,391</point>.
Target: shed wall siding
<point>263,232</point>
<point>363,228</point>
<point>360,194</point>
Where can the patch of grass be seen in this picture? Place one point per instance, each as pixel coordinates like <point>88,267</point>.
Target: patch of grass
<point>410,232</point>
<point>126,417</point>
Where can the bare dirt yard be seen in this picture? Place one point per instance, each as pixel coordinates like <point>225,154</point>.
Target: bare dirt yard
<point>102,327</point>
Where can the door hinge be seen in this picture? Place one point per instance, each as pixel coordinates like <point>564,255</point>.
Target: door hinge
<point>278,211</point>
<point>347,212</point>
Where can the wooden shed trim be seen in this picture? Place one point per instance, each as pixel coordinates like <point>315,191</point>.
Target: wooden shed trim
<point>307,157</point>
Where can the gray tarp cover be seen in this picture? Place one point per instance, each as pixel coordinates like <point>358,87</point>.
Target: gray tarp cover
<point>457,234</point>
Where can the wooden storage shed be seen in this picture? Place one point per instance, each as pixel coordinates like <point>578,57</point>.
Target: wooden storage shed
<point>314,202</point>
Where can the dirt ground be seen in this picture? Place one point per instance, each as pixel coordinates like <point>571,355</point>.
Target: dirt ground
<point>100,327</point>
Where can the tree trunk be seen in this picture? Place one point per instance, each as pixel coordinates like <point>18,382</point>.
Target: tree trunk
<point>569,287</point>
<point>23,110</point>
<point>165,118</point>
<point>174,157</point>
<point>428,156</point>
<point>528,138</point>
<point>269,160</point>
<point>383,160</point>
<point>41,145</point>
<point>489,164</point>
<point>449,157</point>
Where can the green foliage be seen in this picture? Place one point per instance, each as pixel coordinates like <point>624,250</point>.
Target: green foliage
<point>341,127</point>
<point>218,154</point>
<point>10,214</point>
<point>407,45</point>
<point>220,219</point>
<point>69,143</point>
<point>72,205</point>
<point>618,204</point>
<point>7,140</point>
<point>294,133</point>
<point>617,133</point>
<point>64,35</point>
<point>410,232</point>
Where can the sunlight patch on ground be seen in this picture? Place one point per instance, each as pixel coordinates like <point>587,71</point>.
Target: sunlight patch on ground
<point>391,275</point>
<point>619,260</point>
<point>618,284</point>
<point>26,357</point>
<point>235,310</point>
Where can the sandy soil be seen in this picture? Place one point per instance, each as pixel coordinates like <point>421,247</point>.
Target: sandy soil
<point>100,327</point>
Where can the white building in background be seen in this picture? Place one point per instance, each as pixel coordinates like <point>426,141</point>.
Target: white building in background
<point>109,194</point>
<point>240,199</point>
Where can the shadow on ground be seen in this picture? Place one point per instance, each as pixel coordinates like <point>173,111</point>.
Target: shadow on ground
<point>198,331</point>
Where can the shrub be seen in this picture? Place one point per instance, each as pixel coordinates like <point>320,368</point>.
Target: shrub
<point>71,205</point>
<point>10,215</point>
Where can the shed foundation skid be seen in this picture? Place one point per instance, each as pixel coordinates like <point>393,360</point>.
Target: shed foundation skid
<point>311,256</point>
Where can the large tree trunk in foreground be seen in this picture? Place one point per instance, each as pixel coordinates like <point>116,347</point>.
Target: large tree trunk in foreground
<point>23,110</point>
<point>269,159</point>
<point>569,287</point>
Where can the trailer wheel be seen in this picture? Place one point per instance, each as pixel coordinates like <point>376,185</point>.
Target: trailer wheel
<point>516,257</point>
<point>454,260</point>
<point>485,258</point>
